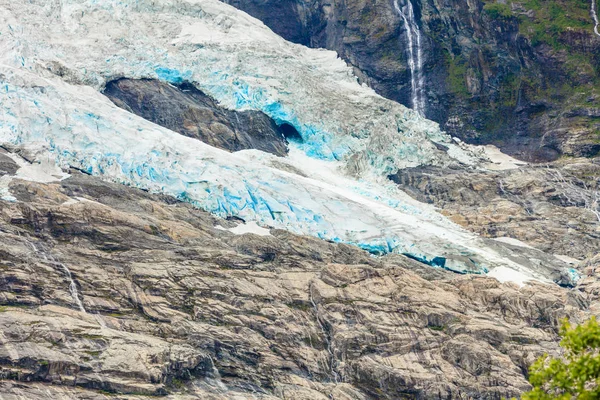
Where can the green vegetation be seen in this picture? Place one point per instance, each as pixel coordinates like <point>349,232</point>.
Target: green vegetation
<point>436,327</point>
<point>508,92</point>
<point>176,383</point>
<point>552,18</point>
<point>498,10</point>
<point>560,75</point>
<point>548,23</point>
<point>92,337</point>
<point>543,21</point>
<point>299,305</point>
<point>117,314</point>
<point>576,375</point>
<point>457,73</point>
<point>314,341</point>
<point>11,307</point>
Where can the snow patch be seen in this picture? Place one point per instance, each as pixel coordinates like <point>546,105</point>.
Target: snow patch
<point>45,171</point>
<point>514,242</point>
<point>70,202</point>
<point>5,194</point>
<point>77,200</point>
<point>503,274</point>
<point>500,161</point>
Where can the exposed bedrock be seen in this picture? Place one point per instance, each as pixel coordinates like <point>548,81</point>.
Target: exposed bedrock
<point>555,207</point>
<point>177,306</point>
<point>186,110</point>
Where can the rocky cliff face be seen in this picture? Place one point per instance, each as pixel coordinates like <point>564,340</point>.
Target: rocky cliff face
<point>555,208</point>
<point>138,260</point>
<point>516,74</point>
<point>108,291</point>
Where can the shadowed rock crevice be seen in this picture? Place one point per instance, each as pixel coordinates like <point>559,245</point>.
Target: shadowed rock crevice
<point>190,112</point>
<point>290,133</point>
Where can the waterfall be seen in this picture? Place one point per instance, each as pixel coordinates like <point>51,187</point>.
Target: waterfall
<point>595,17</point>
<point>49,258</point>
<point>73,288</point>
<point>415,54</point>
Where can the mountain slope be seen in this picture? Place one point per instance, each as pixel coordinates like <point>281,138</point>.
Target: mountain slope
<point>353,131</point>
<point>192,207</point>
<point>521,75</point>
<point>175,305</point>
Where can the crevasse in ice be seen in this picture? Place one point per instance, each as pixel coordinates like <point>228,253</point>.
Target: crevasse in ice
<point>56,56</point>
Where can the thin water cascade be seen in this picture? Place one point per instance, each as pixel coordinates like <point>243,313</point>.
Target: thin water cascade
<point>333,363</point>
<point>214,378</point>
<point>415,54</point>
<point>49,258</point>
<point>595,17</point>
<point>73,288</point>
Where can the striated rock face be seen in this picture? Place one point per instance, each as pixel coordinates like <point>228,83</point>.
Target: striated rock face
<point>172,304</point>
<point>127,290</point>
<point>555,208</point>
<point>514,74</point>
<point>186,110</point>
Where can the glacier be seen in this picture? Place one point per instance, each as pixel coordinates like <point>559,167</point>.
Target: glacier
<point>55,58</point>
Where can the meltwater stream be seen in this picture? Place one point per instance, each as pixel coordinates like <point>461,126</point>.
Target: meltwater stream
<point>415,54</point>
<point>50,259</point>
<point>595,17</point>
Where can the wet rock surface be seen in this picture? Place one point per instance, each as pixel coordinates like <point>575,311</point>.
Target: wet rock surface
<point>186,110</point>
<point>177,307</point>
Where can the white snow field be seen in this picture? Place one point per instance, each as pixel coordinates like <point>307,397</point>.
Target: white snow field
<point>56,56</point>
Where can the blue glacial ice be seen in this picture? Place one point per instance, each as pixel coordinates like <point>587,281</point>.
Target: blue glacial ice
<point>352,138</point>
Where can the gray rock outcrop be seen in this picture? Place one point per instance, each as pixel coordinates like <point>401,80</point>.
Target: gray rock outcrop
<point>186,110</point>
<point>553,207</point>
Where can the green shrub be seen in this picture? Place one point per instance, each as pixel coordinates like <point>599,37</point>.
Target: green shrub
<point>576,375</point>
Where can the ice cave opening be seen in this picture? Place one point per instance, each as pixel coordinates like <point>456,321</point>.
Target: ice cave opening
<point>290,133</point>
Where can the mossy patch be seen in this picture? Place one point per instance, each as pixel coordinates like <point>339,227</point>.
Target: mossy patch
<point>498,10</point>
<point>457,72</point>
